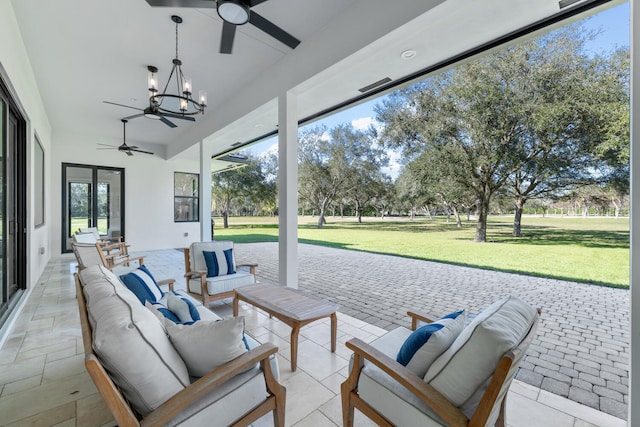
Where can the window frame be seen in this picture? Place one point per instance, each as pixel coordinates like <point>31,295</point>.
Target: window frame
<point>193,201</point>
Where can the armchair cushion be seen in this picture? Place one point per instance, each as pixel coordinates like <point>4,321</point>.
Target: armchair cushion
<point>196,254</point>
<point>142,284</point>
<point>206,345</point>
<point>428,342</point>
<point>464,370</point>
<point>182,308</point>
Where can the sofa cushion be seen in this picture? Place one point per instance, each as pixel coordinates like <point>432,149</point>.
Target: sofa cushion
<point>206,345</point>
<point>428,342</point>
<point>463,371</point>
<point>182,308</point>
<point>131,342</point>
<point>142,284</point>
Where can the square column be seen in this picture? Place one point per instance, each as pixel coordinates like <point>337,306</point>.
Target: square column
<point>288,190</point>
<point>205,191</point>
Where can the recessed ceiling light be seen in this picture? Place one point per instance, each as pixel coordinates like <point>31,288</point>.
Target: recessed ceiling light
<point>408,54</point>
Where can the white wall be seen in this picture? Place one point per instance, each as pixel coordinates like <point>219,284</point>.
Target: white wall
<point>148,191</point>
<point>16,71</point>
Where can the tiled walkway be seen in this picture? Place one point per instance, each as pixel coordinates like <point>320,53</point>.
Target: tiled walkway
<point>43,382</point>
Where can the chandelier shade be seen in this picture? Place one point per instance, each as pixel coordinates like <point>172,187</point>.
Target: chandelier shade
<point>181,102</point>
<point>233,11</point>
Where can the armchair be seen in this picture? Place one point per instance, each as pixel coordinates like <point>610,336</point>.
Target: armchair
<point>109,256</point>
<point>466,385</point>
<point>217,275</point>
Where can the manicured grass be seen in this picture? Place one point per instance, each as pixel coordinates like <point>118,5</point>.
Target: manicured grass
<point>592,250</point>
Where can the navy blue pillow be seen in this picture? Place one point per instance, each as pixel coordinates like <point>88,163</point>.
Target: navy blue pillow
<point>228,255</point>
<point>142,284</point>
<point>426,343</point>
<point>210,258</point>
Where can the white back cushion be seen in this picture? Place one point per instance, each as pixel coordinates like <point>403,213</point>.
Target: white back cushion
<point>131,342</point>
<point>197,259</point>
<point>462,372</point>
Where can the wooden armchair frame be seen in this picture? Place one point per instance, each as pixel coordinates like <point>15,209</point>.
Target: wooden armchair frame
<point>110,256</point>
<point>494,394</point>
<point>125,416</point>
<point>205,296</point>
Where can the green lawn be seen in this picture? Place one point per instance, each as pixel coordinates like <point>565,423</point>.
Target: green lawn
<point>592,250</point>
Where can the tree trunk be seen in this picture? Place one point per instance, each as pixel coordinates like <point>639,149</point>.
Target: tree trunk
<point>481,226</point>
<point>457,215</point>
<point>225,219</point>
<point>517,219</point>
<point>321,219</point>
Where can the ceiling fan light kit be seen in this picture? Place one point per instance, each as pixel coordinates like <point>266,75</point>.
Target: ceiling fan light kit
<point>233,11</point>
<point>179,103</point>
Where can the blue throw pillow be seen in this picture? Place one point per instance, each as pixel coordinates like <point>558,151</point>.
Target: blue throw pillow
<point>184,309</point>
<point>428,342</point>
<point>142,284</point>
<point>228,255</point>
<point>211,259</point>
<point>165,312</point>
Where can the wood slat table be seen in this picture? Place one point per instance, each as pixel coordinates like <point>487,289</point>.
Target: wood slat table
<point>292,307</point>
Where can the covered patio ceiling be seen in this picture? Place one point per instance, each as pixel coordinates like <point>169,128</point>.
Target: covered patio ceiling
<point>84,52</point>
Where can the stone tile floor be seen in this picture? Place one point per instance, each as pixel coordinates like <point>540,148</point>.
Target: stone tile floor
<point>43,381</point>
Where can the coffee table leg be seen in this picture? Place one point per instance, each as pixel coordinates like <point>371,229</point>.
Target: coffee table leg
<point>294,347</point>
<point>235,306</point>
<point>334,331</point>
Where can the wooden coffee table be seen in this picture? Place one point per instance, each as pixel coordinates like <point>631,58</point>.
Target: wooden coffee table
<point>291,306</point>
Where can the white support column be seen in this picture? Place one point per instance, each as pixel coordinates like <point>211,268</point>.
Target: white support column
<point>634,324</point>
<point>205,191</point>
<point>288,191</point>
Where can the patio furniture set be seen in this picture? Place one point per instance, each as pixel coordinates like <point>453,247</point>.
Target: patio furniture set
<point>163,358</point>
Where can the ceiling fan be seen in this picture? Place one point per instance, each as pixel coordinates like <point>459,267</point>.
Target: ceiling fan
<point>127,149</point>
<point>234,13</point>
<point>152,112</point>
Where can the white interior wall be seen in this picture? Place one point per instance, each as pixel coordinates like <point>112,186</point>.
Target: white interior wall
<point>148,191</point>
<point>15,69</point>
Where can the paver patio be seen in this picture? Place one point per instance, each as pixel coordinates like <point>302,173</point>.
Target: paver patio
<point>582,347</point>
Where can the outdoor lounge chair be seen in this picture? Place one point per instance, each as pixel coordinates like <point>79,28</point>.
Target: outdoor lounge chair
<point>110,256</point>
<point>465,385</point>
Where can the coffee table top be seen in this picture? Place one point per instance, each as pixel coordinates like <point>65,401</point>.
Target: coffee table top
<point>288,302</point>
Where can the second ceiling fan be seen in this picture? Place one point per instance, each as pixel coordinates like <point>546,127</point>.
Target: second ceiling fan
<point>234,13</point>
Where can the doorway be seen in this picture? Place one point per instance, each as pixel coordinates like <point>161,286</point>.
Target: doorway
<point>93,197</point>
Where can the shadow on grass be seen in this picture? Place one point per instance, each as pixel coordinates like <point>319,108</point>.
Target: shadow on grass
<point>261,238</point>
<point>547,236</point>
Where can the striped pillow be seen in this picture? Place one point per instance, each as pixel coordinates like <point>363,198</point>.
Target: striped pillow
<point>184,310</point>
<point>142,284</point>
<point>219,263</point>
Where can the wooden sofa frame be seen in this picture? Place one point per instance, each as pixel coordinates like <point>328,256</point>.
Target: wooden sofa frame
<point>431,397</point>
<point>125,416</point>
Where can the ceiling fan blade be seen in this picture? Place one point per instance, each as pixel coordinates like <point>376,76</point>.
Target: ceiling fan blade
<point>107,145</point>
<point>129,153</point>
<point>122,105</point>
<point>135,116</point>
<point>112,148</point>
<point>202,4</point>
<point>273,30</point>
<point>168,122</point>
<point>228,34</point>
<point>252,3</point>
<point>140,151</point>
<point>179,116</point>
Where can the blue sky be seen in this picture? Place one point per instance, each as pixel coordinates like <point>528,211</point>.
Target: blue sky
<point>613,27</point>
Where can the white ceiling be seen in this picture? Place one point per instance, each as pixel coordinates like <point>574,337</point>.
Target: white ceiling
<point>84,52</point>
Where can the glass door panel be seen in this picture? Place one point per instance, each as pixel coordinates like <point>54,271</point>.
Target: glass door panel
<point>93,198</point>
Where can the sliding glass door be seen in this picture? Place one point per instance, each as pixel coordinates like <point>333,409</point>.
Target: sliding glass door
<point>93,197</point>
<point>13,227</point>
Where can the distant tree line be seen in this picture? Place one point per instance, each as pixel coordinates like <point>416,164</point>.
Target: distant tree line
<point>544,123</point>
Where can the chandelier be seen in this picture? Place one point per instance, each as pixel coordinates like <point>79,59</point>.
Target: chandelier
<point>179,103</point>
